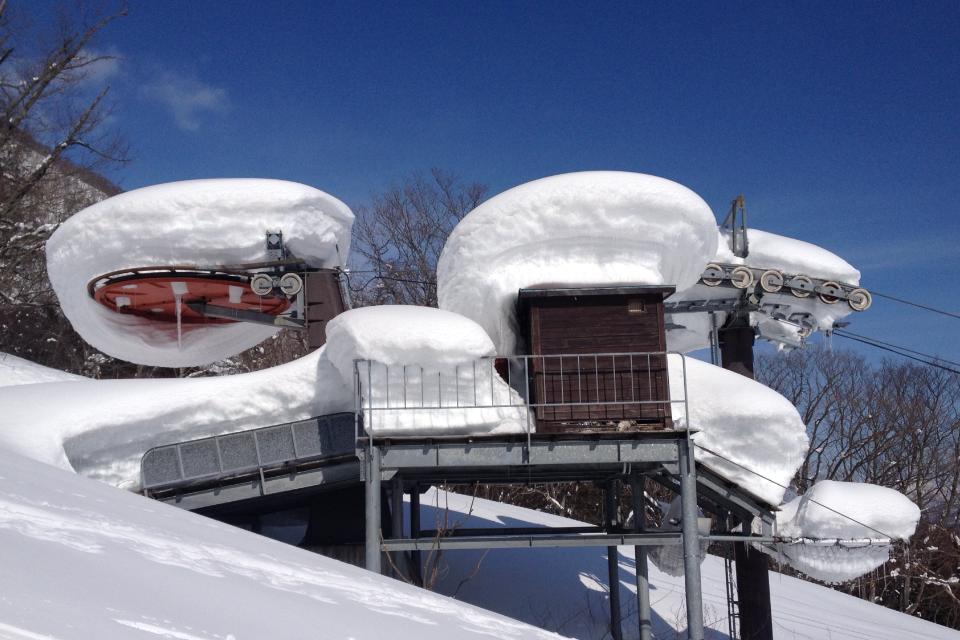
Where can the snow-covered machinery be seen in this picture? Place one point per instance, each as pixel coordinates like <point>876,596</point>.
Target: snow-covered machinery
<point>764,278</point>
<point>280,291</point>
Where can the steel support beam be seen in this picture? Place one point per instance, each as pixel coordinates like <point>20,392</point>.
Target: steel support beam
<point>399,561</point>
<point>415,558</point>
<point>373,522</point>
<point>545,540</point>
<point>691,541</point>
<point>753,580</point>
<point>644,619</point>
<point>612,520</point>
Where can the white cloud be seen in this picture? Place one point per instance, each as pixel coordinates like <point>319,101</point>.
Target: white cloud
<point>187,97</point>
<point>103,66</point>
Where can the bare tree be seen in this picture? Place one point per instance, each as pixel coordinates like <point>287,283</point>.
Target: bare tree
<point>895,425</point>
<point>53,142</point>
<point>398,239</point>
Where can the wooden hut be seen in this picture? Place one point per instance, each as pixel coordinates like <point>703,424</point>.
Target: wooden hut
<point>599,357</point>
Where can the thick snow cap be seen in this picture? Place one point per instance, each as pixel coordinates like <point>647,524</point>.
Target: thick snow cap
<point>748,433</point>
<point>197,223</point>
<point>860,516</point>
<point>590,228</point>
<point>404,335</point>
<point>423,372</point>
<point>869,511</point>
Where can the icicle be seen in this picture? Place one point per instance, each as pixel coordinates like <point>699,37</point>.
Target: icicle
<point>179,288</point>
<point>178,298</point>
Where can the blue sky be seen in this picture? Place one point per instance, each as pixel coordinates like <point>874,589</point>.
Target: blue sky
<point>839,121</point>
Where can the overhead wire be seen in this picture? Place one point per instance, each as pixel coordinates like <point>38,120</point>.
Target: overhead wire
<point>900,351</point>
<point>915,304</point>
<point>846,333</point>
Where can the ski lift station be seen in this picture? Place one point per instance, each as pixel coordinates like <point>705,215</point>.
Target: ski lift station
<point>569,308</point>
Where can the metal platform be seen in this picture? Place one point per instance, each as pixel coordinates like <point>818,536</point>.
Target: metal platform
<point>259,469</point>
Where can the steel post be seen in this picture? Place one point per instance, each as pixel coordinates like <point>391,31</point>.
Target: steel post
<point>613,560</point>
<point>691,540</point>
<point>644,619</point>
<point>373,522</point>
<point>415,558</point>
<point>400,563</point>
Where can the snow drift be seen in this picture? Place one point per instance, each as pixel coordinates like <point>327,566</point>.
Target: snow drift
<point>423,372</point>
<point>590,228</point>
<point>197,223</point>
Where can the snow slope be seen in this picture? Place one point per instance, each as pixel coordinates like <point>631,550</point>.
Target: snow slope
<point>82,560</point>
<point>566,590</point>
<point>14,370</point>
<point>195,223</point>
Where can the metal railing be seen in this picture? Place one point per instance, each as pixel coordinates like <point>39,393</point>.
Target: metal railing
<point>589,389</point>
<point>250,451</point>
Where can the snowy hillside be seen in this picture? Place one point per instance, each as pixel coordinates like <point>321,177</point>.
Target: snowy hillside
<point>565,590</point>
<point>84,560</point>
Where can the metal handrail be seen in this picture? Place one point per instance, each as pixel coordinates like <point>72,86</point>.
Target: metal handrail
<point>477,384</point>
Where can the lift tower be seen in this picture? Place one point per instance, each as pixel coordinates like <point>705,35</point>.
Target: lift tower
<point>736,339</point>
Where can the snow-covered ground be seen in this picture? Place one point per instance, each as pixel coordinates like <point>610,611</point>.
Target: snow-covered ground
<point>85,560</point>
<point>14,370</point>
<point>82,560</point>
<point>566,590</point>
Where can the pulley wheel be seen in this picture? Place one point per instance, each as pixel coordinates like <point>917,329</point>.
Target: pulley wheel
<point>741,277</point>
<point>771,281</point>
<point>801,286</point>
<point>291,284</point>
<point>859,299</point>
<point>827,298</point>
<point>712,275</point>
<point>261,284</point>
